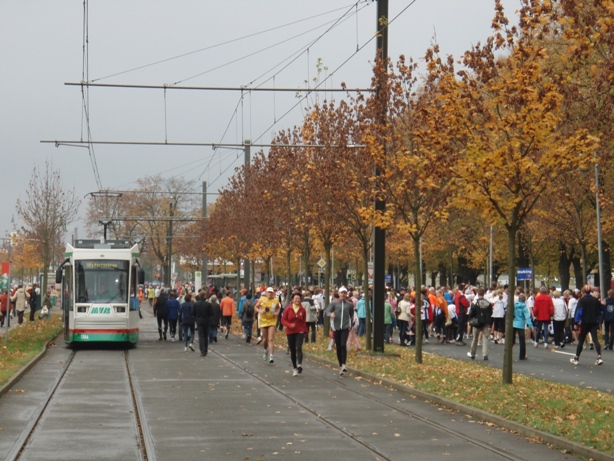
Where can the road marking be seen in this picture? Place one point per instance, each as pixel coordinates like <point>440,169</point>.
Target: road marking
<point>566,353</point>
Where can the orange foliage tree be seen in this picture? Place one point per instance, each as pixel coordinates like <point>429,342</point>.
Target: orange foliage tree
<point>511,111</point>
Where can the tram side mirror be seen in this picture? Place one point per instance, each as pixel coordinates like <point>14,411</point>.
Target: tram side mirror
<point>58,276</point>
<point>141,276</point>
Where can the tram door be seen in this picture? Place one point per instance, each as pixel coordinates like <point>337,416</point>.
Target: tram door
<point>67,299</point>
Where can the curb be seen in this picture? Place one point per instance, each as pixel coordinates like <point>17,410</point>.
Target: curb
<point>18,375</point>
<point>525,431</point>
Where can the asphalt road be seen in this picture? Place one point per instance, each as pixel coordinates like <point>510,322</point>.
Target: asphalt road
<point>550,364</point>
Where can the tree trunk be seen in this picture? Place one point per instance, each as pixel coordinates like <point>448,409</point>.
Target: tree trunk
<point>365,289</point>
<point>434,275</point>
<point>289,284</point>
<point>564,263</point>
<point>577,270</point>
<point>509,317</point>
<point>584,263</point>
<point>327,251</point>
<point>443,278</point>
<point>418,310</point>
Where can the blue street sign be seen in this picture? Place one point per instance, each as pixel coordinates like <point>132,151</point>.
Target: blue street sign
<point>524,274</point>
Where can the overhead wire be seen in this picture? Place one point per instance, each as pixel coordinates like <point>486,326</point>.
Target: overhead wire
<point>300,51</point>
<point>296,55</point>
<point>333,72</point>
<point>252,54</point>
<point>144,66</point>
<point>85,95</point>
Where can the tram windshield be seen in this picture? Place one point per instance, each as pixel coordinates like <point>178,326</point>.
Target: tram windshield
<point>101,281</point>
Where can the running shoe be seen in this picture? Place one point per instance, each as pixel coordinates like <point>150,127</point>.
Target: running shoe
<point>472,357</point>
<point>295,372</point>
<point>191,346</point>
<point>185,349</point>
<point>574,360</point>
<point>265,356</point>
<point>259,340</point>
<point>299,368</point>
<point>271,359</point>
<point>599,361</point>
<point>227,331</point>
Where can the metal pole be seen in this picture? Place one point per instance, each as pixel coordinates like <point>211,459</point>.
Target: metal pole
<point>248,161</point>
<point>379,243</point>
<point>602,288</point>
<point>170,246</point>
<point>8,299</point>
<point>205,266</point>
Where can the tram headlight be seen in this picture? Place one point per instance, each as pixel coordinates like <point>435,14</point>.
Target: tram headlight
<point>81,309</point>
<point>120,309</point>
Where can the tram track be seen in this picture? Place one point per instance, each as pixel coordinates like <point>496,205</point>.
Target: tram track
<point>356,438</point>
<point>145,446</point>
<point>321,418</point>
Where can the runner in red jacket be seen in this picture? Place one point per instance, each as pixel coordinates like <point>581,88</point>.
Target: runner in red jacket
<point>294,319</point>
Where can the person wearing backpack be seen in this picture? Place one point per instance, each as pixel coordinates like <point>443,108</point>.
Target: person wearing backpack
<point>480,317</point>
<point>248,313</point>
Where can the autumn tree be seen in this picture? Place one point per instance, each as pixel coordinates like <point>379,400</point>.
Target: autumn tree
<point>46,211</point>
<point>412,150</point>
<point>324,187</point>
<point>511,111</point>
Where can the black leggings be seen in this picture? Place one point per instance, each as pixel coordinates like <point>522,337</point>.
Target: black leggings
<point>161,321</point>
<point>341,339</point>
<point>295,341</point>
<point>584,331</point>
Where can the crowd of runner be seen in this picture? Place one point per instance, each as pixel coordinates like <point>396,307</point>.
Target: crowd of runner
<point>465,314</point>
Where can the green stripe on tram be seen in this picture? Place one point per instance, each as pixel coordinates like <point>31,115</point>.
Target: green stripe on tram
<point>132,337</point>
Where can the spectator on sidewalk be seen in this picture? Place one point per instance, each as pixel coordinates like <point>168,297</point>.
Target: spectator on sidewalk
<point>20,297</point>
<point>46,305</point>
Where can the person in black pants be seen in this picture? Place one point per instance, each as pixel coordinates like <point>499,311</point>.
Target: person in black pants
<point>159,311</point>
<point>203,311</point>
<point>341,313</point>
<point>608,321</point>
<point>587,319</point>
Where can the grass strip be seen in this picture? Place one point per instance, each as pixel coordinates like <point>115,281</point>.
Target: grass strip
<point>25,342</point>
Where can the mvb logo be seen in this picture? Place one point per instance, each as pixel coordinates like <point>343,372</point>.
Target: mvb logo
<point>100,310</point>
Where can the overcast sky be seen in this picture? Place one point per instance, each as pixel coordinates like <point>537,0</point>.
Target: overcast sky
<point>188,43</point>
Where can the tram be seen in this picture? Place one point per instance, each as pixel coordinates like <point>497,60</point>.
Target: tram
<point>100,282</point>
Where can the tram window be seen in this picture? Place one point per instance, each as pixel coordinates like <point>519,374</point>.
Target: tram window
<point>102,281</point>
<point>67,291</point>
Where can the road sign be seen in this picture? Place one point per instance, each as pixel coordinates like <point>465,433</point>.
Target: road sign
<point>321,263</point>
<point>4,280</point>
<point>370,273</point>
<point>524,274</point>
